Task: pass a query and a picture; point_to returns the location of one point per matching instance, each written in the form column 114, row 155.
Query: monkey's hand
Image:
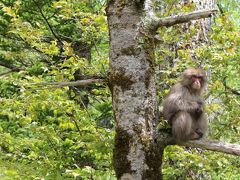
column 199, row 109
column 191, row 107
column 199, row 132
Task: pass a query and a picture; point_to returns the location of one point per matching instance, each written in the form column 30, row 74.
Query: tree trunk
column 132, row 83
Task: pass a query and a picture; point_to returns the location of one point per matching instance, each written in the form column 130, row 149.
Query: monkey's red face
column 194, row 78
column 196, row 82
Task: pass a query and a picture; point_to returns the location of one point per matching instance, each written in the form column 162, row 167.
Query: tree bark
column 133, row 89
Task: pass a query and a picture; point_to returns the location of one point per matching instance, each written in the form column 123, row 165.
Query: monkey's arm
column 180, row 99
column 177, row 102
column 191, row 107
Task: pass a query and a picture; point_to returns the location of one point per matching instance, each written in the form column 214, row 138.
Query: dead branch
column 170, row 21
column 218, row 146
column 156, row 22
column 72, row 83
column 7, row 72
column 164, row 138
column 9, row 65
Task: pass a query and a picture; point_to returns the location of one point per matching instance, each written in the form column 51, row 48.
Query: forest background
column 64, row 131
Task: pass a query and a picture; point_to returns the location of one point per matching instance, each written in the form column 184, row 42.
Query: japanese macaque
column 183, row 106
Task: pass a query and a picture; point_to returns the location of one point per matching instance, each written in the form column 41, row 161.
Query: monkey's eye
column 196, row 78
column 200, row 78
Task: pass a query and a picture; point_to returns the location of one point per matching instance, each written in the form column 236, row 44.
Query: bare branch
column 5, row 73
column 170, row 21
column 218, row 146
column 153, row 22
column 9, row 65
column 73, row 83
column 164, row 138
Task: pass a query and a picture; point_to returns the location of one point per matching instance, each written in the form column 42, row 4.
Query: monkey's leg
column 182, row 128
column 201, row 126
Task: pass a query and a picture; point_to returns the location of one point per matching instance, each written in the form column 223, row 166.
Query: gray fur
column 184, row 109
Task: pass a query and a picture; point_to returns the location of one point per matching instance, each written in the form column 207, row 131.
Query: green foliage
column 184, row 163
column 45, row 131
column 8, row 89
column 51, row 130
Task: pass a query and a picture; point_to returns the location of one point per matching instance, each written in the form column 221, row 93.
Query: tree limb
column 218, row 146
column 5, row 73
column 9, row 65
column 170, row 21
column 153, row 22
column 165, row 138
column 73, row 83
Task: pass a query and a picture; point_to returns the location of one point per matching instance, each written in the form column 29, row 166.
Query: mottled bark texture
column 134, row 94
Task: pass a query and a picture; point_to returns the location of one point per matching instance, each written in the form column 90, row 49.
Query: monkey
column 183, row 107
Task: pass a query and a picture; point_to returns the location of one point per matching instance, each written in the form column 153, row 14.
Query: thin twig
column 72, row 83
column 46, row 20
